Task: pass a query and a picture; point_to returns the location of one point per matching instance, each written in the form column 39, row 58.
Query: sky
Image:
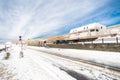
column 39, row 18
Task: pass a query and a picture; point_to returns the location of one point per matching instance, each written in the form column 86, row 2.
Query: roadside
column 5, row 73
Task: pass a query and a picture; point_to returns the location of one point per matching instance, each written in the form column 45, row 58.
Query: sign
column 20, row 38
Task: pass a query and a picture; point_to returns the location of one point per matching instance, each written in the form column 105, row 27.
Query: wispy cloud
column 36, row 18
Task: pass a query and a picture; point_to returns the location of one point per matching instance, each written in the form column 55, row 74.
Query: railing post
column 91, row 41
column 102, row 40
column 5, row 48
column 116, row 40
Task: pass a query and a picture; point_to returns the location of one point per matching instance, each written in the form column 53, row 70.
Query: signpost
column 20, row 39
column 21, row 52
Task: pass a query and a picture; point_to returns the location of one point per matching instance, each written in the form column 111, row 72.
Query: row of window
column 90, row 30
column 87, row 27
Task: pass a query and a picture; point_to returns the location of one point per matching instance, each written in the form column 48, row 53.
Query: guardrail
column 3, row 47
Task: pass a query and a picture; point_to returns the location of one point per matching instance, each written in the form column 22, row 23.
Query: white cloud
column 36, row 18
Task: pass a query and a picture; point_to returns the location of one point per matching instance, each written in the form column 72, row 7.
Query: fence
column 115, row 40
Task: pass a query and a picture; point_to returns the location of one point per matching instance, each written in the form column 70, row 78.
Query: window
column 97, row 30
column 79, row 32
column 92, row 30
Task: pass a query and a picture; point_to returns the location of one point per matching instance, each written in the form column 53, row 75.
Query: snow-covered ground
column 102, row 57
column 2, row 46
column 36, row 65
column 30, row 67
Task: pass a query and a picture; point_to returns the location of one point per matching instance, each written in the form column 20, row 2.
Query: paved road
column 75, row 67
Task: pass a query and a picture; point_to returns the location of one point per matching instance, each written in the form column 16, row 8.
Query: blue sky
column 40, row 18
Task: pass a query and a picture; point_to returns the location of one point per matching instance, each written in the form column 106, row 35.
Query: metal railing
column 115, row 40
